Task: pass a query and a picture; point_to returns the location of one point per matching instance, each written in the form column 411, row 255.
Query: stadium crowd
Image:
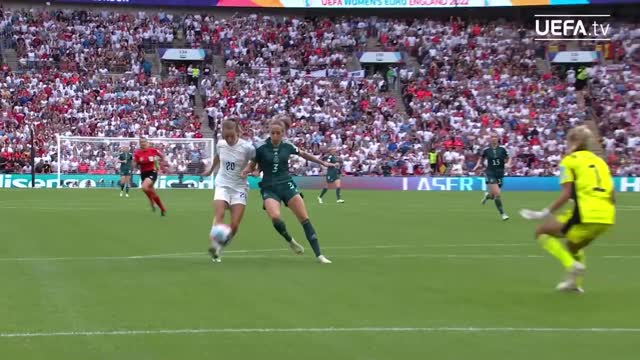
column 471, row 80
column 83, row 40
column 250, row 42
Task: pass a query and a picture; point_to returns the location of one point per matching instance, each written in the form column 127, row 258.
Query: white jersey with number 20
column 233, row 159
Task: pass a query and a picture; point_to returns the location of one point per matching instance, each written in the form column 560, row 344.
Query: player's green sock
column 498, row 201
column 554, row 247
column 324, row 191
column 339, row 193
column 121, row 186
column 582, row 258
column 312, row 237
column 281, row 228
column 126, row 188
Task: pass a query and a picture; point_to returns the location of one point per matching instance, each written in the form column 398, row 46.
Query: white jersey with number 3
column 233, row 159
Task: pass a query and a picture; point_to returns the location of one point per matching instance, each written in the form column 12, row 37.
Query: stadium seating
column 85, row 40
column 470, row 80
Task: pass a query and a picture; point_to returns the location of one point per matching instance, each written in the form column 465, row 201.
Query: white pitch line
column 318, row 330
column 187, row 254
column 273, row 256
column 397, row 246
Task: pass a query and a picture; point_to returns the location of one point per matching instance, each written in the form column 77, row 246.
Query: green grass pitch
column 86, row 274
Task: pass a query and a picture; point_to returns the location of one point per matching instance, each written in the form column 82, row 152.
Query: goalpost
column 89, row 162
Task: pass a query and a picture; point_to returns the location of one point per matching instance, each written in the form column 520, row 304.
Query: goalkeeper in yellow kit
column 586, row 180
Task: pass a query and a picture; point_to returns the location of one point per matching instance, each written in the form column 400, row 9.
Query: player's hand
column 534, row 215
column 246, row 172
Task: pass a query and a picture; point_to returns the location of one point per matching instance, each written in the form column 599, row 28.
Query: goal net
column 92, row 162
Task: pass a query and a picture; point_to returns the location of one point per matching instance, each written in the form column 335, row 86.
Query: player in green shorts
column 497, row 159
column 277, row 185
column 332, row 177
column 126, row 164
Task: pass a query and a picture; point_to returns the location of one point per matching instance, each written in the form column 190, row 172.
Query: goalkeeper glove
column 534, row 215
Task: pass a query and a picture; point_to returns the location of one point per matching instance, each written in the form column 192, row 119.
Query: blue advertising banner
column 623, row 184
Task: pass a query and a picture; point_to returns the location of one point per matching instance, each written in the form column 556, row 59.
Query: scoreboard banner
column 415, row 183
column 181, row 3
column 351, row 4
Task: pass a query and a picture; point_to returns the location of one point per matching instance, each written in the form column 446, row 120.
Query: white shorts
column 230, row 195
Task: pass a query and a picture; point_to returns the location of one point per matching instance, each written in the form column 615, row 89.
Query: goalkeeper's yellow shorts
column 577, row 232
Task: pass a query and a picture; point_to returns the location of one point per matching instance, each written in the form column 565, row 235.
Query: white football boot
column 297, row 248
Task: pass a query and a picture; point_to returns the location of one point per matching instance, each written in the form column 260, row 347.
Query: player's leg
column 238, row 201
column 548, row 235
column 127, row 185
column 237, row 213
column 577, row 250
column 488, row 194
column 338, row 185
column 122, row 182
column 578, row 238
column 296, row 204
column 324, row 190
column 272, row 207
column 143, row 180
column 219, row 208
column 147, row 187
column 496, row 192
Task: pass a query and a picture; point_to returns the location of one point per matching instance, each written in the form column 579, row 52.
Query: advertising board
column 72, row 181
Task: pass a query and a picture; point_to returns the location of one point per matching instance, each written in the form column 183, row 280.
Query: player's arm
column 160, row 155
column 567, row 180
column 134, row 164
column 250, row 168
column 479, row 162
column 565, row 195
column 613, row 192
column 314, row 159
column 214, row 166
column 507, row 160
column 162, row 159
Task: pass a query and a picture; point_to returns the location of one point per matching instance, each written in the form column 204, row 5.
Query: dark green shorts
column 280, row 192
column 331, row 178
column 494, row 179
column 125, row 172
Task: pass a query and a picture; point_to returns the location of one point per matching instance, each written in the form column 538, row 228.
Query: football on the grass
column 220, row 233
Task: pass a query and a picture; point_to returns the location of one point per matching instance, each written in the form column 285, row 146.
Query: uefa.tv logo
column 572, row 28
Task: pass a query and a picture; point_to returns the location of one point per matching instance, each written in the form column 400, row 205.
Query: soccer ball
column 220, row 233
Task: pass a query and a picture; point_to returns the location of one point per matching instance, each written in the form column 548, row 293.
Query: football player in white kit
column 231, row 187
